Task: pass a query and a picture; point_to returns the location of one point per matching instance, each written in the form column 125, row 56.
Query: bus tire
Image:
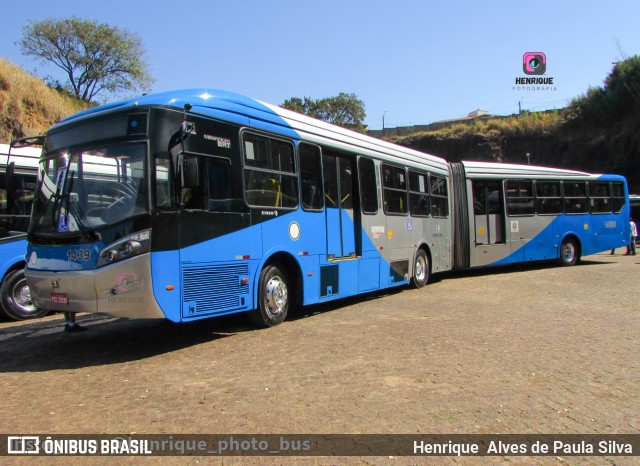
column 15, row 298
column 569, row 252
column 273, row 297
column 420, row 269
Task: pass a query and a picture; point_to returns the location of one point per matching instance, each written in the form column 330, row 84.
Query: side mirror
column 190, row 172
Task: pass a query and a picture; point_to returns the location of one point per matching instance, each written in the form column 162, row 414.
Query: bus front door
column 340, row 223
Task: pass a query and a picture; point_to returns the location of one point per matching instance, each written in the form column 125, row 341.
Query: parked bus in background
column 193, row 204
column 18, row 167
column 634, row 202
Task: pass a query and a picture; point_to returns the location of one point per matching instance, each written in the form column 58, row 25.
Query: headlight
column 129, row 246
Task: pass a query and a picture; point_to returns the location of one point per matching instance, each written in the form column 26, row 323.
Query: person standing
column 70, row 323
column 631, row 249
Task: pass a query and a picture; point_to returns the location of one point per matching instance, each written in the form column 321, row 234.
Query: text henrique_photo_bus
column 198, row 203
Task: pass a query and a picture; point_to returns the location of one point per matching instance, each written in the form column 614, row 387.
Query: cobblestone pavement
column 528, row 349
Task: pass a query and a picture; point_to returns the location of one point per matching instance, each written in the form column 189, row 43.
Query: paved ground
column 536, row 349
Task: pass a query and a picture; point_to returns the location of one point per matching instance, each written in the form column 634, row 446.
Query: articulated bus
column 18, row 168
column 193, row 204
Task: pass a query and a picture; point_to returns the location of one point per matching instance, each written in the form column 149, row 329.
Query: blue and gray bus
column 192, row 204
column 18, row 167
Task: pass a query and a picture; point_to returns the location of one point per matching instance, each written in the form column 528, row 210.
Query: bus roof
column 247, row 111
column 313, row 130
column 493, row 169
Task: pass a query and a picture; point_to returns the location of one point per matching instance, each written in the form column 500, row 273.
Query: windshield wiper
column 57, row 196
column 74, row 210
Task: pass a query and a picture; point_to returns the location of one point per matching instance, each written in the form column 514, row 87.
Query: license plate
column 59, row 298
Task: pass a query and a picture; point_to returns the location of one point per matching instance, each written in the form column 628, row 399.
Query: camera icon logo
column 126, row 281
column 534, row 63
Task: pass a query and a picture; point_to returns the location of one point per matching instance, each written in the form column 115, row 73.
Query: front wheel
column 15, row 297
column 569, row 252
column 273, row 297
column 420, row 269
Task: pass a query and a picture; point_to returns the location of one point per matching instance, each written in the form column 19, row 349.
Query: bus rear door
column 489, row 223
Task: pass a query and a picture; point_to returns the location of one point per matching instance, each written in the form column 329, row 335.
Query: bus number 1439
column 79, row 255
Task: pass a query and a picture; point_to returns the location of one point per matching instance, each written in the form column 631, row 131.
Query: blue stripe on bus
column 600, row 232
column 61, row 258
column 251, row 247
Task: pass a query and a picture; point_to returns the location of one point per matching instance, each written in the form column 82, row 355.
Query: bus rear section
column 524, row 213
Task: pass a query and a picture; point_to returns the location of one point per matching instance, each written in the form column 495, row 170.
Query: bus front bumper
column 123, row 289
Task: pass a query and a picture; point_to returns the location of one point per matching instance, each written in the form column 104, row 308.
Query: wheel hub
column 276, row 295
column 22, row 297
column 420, row 269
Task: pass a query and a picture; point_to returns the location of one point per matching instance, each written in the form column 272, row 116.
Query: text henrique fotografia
column 534, row 66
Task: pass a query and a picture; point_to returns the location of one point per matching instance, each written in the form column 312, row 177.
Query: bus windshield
column 84, row 190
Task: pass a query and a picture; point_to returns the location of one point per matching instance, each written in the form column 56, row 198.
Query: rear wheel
column 273, row 297
column 15, row 298
column 420, row 269
column 569, row 252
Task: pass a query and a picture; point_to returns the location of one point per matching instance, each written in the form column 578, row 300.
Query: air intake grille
column 214, row 289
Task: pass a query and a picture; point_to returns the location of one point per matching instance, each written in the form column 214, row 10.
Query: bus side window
column 213, row 191
column 575, row 197
column 270, row 178
column 439, row 197
column 419, row 194
column 310, row 177
column 394, row 189
column 163, row 181
column 368, row 186
column 193, row 195
column 617, row 193
column 519, row 197
column 599, row 197
column 548, row 197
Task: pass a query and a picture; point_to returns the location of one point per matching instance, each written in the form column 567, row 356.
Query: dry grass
column 518, row 125
column 27, row 105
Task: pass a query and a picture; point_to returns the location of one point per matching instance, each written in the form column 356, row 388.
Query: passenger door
column 489, row 236
column 488, row 210
column 339, row 174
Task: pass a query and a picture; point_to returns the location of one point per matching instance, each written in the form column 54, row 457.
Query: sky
column 411, row 62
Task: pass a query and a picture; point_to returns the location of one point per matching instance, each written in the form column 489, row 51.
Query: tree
column 96, row 58
column 623, row 85
column 344, row 110
column 618, row 98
